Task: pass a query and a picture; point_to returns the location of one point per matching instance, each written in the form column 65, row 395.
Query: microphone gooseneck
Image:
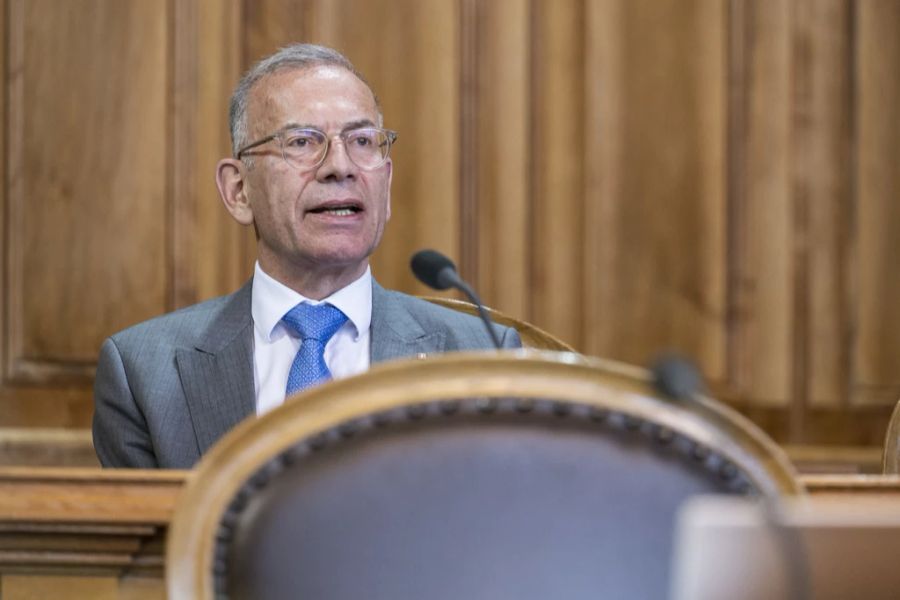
column 438, row 272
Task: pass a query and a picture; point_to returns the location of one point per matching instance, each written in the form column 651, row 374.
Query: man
column 311, row 172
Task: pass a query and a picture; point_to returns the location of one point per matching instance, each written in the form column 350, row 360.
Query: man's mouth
column 338, row 209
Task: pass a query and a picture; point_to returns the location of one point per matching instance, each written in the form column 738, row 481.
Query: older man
column 312, row 173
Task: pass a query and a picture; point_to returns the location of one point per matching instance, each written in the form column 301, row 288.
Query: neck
column 315, row 284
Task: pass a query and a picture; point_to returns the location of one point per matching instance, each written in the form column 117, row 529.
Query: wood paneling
column 501, row 158
column 761, row 212
column 557, row 167
column 43, row 447
column 86, row 181
column 211, row 254
column 655, row 216
column 84, row 533
column 821, row 177
column 876, row 228
column 715, row 177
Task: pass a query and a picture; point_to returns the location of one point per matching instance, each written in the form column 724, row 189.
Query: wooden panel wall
column 718, row 177
column 876, row 194
column 85, row 192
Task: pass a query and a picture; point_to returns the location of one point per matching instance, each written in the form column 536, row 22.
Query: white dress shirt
column 275, row 345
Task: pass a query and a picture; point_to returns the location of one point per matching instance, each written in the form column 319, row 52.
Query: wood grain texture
column 655, row 225
column 86, row 187
column 80, row 587
column 5, row 330
column 876, row 347
column 762, row 230
column 91, row 496
column 47, row 447
column 211, row 254
column 85, row 522
column 500, row 161
column 821, row 179
column 557, row 167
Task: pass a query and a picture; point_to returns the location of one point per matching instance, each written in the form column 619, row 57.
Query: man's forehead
column 281, row 94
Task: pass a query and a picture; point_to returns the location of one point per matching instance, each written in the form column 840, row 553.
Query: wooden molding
column 85, row 521
column 115, row 522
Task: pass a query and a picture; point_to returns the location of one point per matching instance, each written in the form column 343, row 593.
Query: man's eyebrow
column 358, row 124
column 347, row 126
column 294, row 125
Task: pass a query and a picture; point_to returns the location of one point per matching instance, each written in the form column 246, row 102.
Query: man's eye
column 363, row 137
column 303, row 140
column 300, row 142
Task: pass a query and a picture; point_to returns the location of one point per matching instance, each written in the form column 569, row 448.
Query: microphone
column 676, row 377
column 438, row 272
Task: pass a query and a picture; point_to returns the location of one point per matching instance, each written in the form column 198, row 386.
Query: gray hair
column 295, row 56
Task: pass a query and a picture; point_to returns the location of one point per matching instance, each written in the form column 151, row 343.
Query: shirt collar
column 271, row 300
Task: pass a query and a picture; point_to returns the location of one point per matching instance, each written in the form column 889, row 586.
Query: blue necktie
column 315, row 324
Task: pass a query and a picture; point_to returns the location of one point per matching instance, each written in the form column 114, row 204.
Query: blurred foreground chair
column 532, row 336
column 520, row 474
column 891, row 455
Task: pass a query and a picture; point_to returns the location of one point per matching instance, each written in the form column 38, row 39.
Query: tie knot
column 315, row 321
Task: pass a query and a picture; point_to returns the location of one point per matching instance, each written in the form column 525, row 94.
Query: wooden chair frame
column 600, row 384
column 532, row 336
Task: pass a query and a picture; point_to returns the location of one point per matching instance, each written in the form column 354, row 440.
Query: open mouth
column 338, row 210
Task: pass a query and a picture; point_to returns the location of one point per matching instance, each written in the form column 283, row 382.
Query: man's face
column 324, row 220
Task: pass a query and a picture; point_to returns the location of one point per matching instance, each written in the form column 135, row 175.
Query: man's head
column 318, row 202
column 296, row 56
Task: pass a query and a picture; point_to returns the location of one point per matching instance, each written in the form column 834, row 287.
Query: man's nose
column 337, row 164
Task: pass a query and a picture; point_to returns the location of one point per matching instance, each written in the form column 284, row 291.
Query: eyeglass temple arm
column 237, row 154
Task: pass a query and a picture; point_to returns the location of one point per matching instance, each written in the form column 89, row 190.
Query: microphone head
column 676, row 377
column 433, row 269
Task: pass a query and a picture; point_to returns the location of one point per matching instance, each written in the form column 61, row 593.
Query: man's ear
column 232, row 190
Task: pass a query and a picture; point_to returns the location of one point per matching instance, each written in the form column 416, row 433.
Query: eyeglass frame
column 280, row 136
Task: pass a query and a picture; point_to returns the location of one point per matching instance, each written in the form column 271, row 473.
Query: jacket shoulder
column 462, row 330
column 182, row 327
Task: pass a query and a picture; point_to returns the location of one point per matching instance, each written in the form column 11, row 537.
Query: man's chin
column 349, row 260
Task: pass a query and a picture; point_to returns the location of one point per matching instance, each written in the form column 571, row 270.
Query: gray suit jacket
column 168, row 388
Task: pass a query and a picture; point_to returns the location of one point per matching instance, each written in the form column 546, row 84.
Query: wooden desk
column 862, row 489
column 91, row 533
column 84, row 533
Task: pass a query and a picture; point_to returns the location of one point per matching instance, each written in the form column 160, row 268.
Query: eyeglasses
column 306, row 149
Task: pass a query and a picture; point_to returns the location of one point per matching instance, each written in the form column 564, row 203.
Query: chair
column 891, row 457
column 532, row 336
column 516, row 474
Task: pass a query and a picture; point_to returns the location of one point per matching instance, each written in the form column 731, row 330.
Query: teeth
column 341, row 212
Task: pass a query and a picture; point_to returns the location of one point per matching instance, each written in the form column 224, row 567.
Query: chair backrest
column 891, row 456
column 532, row 335
column 517, row 474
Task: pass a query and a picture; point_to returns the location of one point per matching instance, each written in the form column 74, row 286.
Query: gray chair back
column 568, row 490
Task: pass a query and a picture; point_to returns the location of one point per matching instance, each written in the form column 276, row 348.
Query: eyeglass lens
column 367, row 148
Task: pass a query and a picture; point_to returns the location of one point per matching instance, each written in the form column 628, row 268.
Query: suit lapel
column 217, row 374
column 395, row 332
